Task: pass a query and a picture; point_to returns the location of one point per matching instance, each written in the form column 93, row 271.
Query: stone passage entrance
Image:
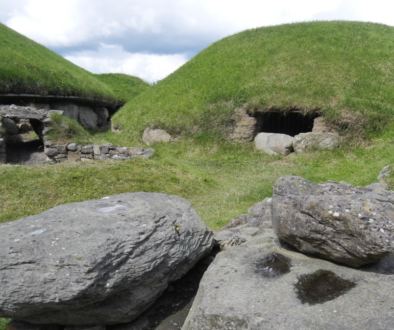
column 290, row 123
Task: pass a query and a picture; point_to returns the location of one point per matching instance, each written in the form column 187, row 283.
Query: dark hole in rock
column 24, row 149
column 274, row 265
column 169, row 312
column 321, row 286
column 290, row 123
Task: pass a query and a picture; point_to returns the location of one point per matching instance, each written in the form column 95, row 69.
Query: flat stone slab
column 19, row 112
column 98, row 262
column 260, row 285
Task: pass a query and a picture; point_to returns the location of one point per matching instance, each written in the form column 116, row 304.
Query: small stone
column 88, row 149
column 72, row 146
column 51, row 152
column 97, row 150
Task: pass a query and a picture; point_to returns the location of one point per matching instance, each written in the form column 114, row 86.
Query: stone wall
column 57, row 153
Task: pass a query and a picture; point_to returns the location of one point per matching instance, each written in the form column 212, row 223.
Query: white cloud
column 113, row 58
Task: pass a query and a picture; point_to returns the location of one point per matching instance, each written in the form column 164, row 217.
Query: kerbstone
column 334, row 221
column 98, row 262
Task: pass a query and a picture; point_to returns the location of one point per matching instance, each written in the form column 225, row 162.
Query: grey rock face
column 255, row 286
column 305, row 142
column 385, row 172
column 102, row 116
column 10, row 126
column 70, row 109
column 87, row 117
column 274, row 144
column 151, row 136
column 334, row 221
column 97, row 262
column 242, row 228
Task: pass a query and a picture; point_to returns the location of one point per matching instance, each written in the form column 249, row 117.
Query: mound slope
column 125, row 87
column 342, row 69
column 27, row 67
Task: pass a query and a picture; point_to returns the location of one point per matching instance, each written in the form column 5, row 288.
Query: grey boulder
column 261, row 285
column 87, row 117
column 151, row 136
column 97, row 262
column 305, row 142
column 334, row 221
column 274, row 144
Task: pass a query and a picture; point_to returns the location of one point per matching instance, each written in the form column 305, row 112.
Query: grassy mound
column 125, row 87
column 343, row 69
column 29, row 68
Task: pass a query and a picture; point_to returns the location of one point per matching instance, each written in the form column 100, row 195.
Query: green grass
column 64, row 129
column 344, row 69
column 27, row 67
column 3, row 323
column 125, row 87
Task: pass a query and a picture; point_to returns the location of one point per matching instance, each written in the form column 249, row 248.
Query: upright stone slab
column 334, row 221
column 97, row 262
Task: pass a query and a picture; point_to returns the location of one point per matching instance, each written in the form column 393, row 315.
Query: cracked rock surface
column 98, row 262
column 334, row 221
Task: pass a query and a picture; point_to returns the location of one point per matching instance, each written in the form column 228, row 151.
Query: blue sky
column 152, row 38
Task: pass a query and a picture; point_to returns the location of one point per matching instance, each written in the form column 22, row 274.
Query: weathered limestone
column 245, row 126
column 260, row 285
column 305, row 142
column 334, row 221
column 98, row 262
column 243, row 227
column 151, row 136
column 274, row 144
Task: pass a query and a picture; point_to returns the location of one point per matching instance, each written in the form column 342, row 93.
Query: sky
column 152, row 38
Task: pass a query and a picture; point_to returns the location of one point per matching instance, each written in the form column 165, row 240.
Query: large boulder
column 151, row 136
column 334, row 221
column 87, row 117
column 97, row 262
column 305, row 142
column 261, row 285
column 274, row 143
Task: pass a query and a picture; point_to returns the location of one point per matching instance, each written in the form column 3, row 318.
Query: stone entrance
column 291, row 123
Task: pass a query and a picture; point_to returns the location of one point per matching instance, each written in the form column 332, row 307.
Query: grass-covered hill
column 125, row 87
column 344, row 69
column 27, row 67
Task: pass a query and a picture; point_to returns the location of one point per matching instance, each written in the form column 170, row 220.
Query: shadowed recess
column 291, row 123
column 321, row 286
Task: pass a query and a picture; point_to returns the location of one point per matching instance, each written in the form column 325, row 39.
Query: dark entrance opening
column 289, row 123
column 24, row 149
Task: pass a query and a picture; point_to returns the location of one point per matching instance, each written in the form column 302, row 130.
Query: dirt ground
column 24, row 149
